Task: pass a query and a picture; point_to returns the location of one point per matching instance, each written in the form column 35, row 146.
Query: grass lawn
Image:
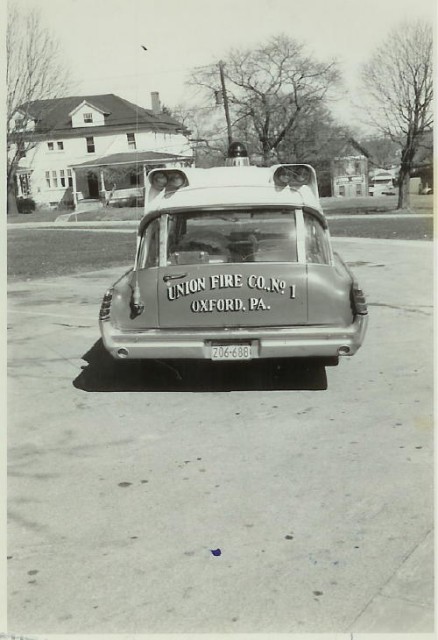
column 409, row 228
column 42, row 253
column 379, row 204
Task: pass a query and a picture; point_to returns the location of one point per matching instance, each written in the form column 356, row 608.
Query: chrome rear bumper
column 276, row 342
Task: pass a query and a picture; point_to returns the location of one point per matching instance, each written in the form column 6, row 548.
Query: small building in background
column 349, row 171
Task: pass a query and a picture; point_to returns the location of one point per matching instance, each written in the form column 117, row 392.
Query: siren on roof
column 237, row 155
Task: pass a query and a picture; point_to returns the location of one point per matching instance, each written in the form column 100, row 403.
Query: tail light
column 358, row 302
column 104, row 313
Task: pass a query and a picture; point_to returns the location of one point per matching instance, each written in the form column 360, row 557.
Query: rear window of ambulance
column 232, row 236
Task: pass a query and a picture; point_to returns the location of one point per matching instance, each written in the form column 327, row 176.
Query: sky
column 101, row 40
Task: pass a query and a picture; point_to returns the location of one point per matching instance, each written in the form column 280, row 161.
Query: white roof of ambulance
column 227, row 186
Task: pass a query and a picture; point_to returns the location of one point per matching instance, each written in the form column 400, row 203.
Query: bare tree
column 207, row 134
column 34, row 73
column 272, row 86
column 382, row 151
column 316, row 140
column 399, row 82
column 316, row 137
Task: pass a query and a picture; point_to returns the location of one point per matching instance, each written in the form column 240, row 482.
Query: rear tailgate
column 232, row 295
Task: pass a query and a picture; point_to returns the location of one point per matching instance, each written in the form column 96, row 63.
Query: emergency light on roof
column 295, row 176
column 237, row 155
column 169, row 179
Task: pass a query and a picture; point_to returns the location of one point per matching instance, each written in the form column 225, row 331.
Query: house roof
column 133, row 157
column 350, row 146
column 55, row 115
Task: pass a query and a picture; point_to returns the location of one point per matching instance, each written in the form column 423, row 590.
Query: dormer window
column 87, row 114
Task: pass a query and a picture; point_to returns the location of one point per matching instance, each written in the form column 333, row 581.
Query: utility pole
column 224, row 93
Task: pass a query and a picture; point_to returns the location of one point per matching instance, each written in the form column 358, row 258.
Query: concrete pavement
column 320, row 501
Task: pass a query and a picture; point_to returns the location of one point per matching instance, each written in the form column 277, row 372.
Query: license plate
column 231, row 351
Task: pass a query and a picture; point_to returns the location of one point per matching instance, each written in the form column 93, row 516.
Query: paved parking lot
column 317, row 504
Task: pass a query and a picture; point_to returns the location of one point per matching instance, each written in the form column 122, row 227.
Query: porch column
column 18, row 185
column 102, row 181
column 75, row 198
column 146, row 188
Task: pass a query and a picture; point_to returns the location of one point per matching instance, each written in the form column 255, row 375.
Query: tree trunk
column 403, row 189
column 266, row 153
column 11, row 205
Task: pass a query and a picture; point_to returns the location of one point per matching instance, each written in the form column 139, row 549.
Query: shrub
column 25, row 205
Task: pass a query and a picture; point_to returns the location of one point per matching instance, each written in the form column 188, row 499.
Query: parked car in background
column 382, row 184
column 234, row 263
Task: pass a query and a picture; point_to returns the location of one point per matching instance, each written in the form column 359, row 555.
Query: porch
column 118, row 179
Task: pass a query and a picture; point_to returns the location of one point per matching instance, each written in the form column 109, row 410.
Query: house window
column 62, row 177
column 342, row 190
column 88, row 118
column 54, row 179
column 50, row 146
column 358, row 189
column 48, row 184
column 131, row 140
column 69, row 178
column 90, row 144
column 60, row 146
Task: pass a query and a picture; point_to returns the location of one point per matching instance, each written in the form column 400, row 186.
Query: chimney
column 155, row 102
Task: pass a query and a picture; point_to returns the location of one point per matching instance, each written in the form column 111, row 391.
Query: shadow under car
column 104, row 373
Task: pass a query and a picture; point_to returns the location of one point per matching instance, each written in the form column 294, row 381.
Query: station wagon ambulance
column 234, row 263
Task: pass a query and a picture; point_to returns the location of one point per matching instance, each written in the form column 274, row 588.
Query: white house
column 82, row 140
